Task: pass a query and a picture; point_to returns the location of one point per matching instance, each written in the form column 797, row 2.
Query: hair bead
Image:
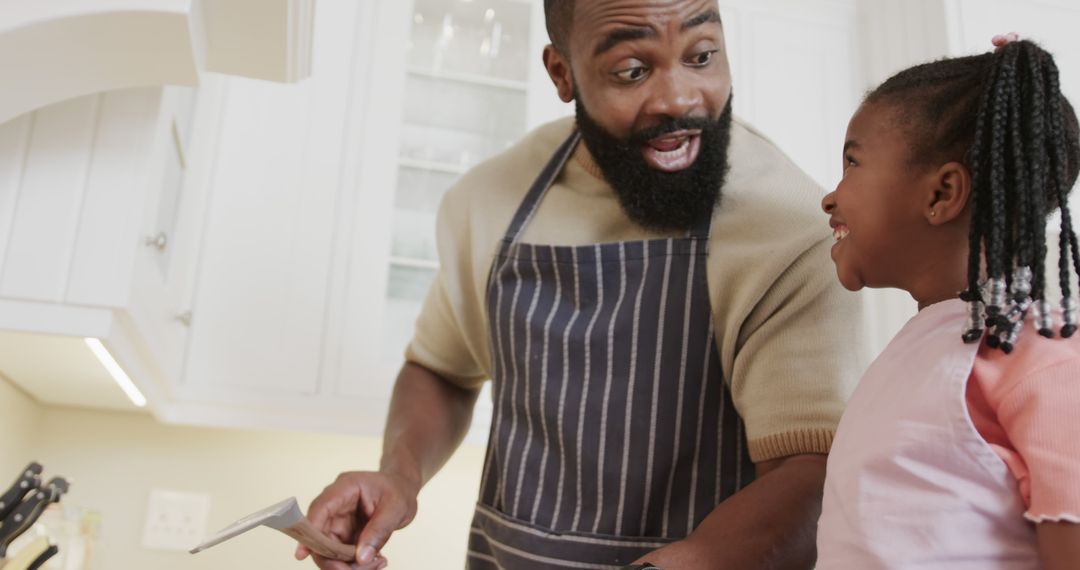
column 1044, row 318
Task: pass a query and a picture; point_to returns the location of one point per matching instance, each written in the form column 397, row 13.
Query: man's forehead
column 589, row 14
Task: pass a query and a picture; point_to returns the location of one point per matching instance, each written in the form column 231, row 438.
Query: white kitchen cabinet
column 281, row 222
column 319, row 235
column 478, row 57
column 93, row 230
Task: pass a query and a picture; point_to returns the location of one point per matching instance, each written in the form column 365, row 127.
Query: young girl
column 961, row 446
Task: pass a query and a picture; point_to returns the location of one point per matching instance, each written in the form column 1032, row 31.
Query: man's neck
column 585, row 160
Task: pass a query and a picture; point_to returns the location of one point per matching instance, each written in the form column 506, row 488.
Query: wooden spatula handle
column 305, row 533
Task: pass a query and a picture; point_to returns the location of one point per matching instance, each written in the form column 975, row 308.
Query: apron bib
column 910, row 483
column 614, row 433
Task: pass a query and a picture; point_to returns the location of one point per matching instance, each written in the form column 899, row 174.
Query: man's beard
column 657, row 200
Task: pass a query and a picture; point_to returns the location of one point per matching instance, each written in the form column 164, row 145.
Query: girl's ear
column 950, row 193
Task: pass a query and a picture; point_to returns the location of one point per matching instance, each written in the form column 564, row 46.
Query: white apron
column 911, row 483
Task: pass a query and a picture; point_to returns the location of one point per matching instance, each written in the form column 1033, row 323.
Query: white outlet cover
column 175, row 520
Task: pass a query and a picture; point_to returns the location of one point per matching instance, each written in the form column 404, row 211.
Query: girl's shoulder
column 998, row 374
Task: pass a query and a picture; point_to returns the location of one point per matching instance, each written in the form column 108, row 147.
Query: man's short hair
column 559, row 17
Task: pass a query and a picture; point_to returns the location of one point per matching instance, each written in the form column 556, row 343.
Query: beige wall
column 19, row 418
column 115, row 459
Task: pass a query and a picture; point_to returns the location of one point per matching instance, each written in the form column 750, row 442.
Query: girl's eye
column 849, row 161
column 702, row 59
column 631, row 74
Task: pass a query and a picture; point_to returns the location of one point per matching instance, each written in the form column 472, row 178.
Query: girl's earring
column 933, row 213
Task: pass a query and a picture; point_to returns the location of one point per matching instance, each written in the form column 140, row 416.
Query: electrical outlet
column 175, row 520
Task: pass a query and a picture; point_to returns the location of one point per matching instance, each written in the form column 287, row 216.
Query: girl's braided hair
column 1003, row 115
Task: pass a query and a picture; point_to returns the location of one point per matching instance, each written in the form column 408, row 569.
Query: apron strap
column 540, row 186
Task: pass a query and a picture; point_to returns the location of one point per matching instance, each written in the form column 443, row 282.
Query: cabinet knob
column 158, row 242
column 184, row 318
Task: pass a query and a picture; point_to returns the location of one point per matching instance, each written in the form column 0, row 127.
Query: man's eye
column 702, row 59
column 631, row 74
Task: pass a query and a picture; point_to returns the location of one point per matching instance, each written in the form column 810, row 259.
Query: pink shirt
column 1026, row 406
column 913, row 483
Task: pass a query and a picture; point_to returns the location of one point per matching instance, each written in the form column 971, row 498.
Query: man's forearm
column 428, row 419
column 769, row 525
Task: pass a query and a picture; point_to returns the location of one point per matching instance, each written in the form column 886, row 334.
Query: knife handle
column 38, row 562
column 22, row 518
column 59, row 487
column 305, row 533
column 24, row 559
column 27, row 513
column 29, row 480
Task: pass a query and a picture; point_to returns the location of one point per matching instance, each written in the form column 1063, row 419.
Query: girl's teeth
column 839, row 233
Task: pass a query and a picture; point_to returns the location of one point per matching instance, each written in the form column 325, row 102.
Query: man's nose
column 674, row 96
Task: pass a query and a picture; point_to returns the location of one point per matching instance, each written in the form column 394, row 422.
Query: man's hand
column 428, row 419
column 677, row 555
column 769, row 525
column 364, row 509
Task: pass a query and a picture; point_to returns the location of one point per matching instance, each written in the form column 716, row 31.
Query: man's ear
column 558, row 68
column 949, row 194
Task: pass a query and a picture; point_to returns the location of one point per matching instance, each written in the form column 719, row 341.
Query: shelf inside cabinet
column 470, row 79
column 414, row 263
column 432, row 165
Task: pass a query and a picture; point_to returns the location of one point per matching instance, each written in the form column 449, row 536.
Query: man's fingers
column 384, row 521
column 361, row 509
column 328, row 564
column 302, row 552
column 377, row 563
column 343, row 529
column 317, row 512
column 326, row 505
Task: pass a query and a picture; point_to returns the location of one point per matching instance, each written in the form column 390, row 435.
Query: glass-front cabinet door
column 465, row 99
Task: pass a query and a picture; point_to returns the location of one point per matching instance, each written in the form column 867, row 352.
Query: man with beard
column 648, row 287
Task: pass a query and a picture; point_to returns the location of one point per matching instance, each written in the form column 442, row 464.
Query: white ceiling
column 59, row 371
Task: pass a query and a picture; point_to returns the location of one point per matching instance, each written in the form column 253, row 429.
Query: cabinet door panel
column 13, row 143
column 155, row 309
column 261, row 301
column 357, row 324
column 46, row 218
column 113, row 205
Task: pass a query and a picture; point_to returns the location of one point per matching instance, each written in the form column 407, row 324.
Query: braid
column 979, row 209
column 1061, row 185
column 1035, row 103
column 1020, row 178
column 996, row 251
column 1003, row 115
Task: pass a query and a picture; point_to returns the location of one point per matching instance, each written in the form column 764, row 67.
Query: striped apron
column 614, row 432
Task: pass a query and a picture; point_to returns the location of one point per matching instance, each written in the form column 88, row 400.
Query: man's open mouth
column 674, row 151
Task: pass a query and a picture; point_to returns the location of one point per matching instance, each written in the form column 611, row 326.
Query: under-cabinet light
column 116, row 372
